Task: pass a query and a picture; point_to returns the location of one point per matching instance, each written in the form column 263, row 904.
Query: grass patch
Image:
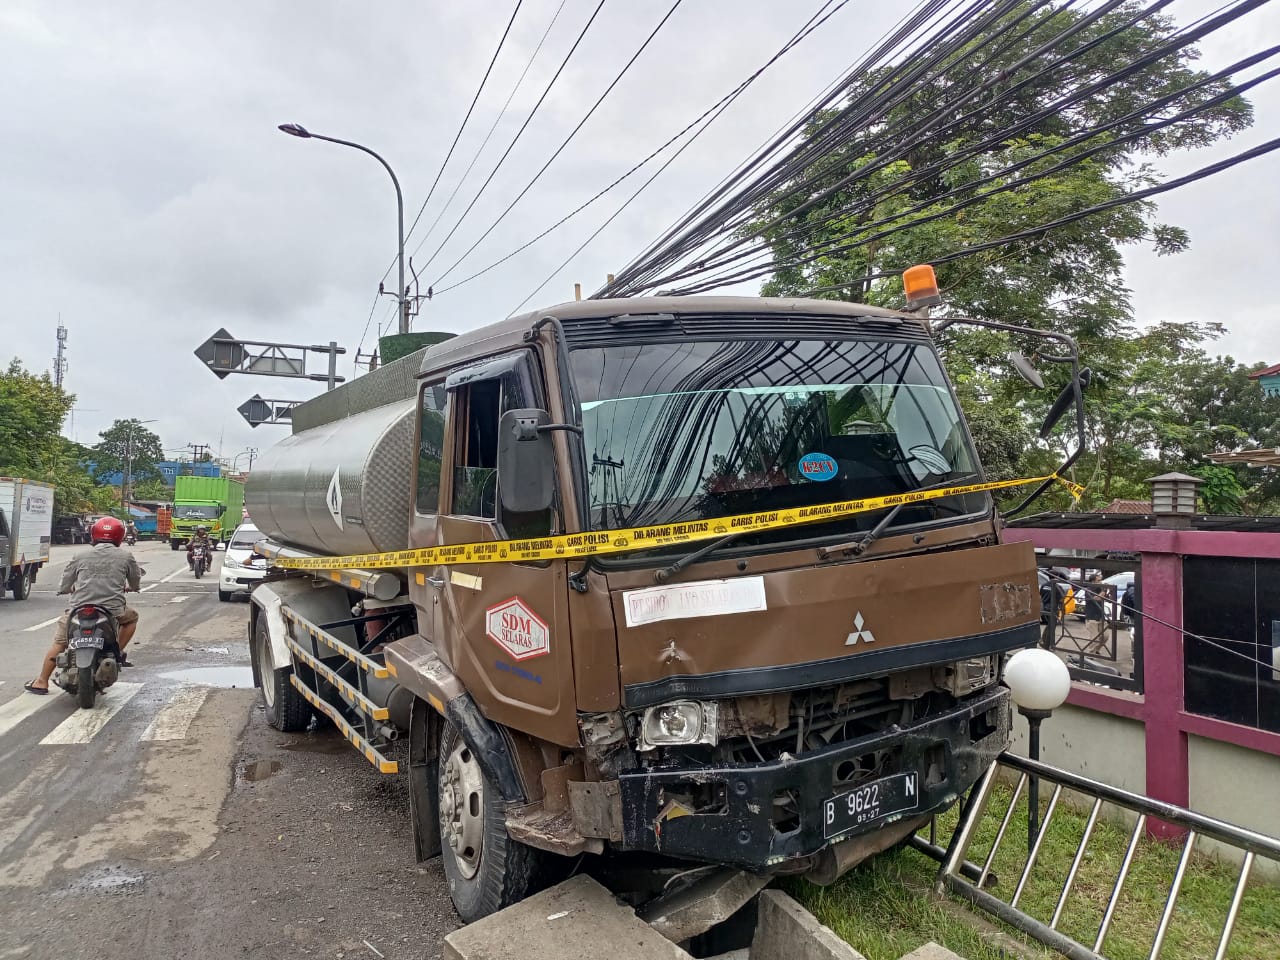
column 879, row 910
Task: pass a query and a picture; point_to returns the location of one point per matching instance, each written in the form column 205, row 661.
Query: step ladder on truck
column 713, row 579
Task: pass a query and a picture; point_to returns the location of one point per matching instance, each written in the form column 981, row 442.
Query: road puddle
column 256, row 770
column 213, row 676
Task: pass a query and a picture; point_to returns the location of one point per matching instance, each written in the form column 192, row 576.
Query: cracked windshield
column 695, row 430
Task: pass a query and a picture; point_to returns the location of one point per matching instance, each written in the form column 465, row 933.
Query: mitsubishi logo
column 859, row 632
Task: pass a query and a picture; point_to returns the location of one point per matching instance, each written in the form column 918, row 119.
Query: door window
column 480, row 397
column 430, row 448
column 475, row 469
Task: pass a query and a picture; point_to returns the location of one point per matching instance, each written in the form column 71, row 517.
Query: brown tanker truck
column 763, row 695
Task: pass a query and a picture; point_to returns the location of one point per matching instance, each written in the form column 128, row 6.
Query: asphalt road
column 170, row 821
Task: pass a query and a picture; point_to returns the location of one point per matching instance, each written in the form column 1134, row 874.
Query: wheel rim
column 266, row 672
column 462, row 808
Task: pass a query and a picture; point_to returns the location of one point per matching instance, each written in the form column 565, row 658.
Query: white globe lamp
column 1038, row 680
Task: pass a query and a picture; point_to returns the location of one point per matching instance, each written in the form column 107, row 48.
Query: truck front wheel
column 286, row 709
column 486, row 869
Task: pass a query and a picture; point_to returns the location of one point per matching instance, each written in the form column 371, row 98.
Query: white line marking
column 172, row 721
column 152, row 587
column 174, row 574
column 83, row 725
column 179, row 599
column 40, row 626
column 23, row 706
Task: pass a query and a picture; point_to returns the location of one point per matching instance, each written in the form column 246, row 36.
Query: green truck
column 216, row 503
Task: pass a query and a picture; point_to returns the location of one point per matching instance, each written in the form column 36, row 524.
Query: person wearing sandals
column 101, row 575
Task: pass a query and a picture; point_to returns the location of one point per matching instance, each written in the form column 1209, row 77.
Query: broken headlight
column 679, row 722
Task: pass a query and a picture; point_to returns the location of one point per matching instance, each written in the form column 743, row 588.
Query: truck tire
column 22, row 583
column 485, row 868
column 286, row 709
column 173, row 545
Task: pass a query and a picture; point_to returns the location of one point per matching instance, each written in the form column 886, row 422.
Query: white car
column 241, row 567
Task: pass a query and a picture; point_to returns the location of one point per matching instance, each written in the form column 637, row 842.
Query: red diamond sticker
column 514, row 627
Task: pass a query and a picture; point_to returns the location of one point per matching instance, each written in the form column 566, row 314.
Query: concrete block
column 699, row 907
column 932, row 951
column 787, row 931
column 575, row 920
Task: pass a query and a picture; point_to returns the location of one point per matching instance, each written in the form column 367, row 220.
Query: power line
column 572, row 133
column 474, row 100
column 723, row 101
column 709, row 116
column 797, row 167
column 494, row 126
column 516, row 139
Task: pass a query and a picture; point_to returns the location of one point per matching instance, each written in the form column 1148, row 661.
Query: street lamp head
column 295, row 130
column 1037, row 679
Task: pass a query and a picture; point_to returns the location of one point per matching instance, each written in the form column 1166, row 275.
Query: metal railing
column 972, row 881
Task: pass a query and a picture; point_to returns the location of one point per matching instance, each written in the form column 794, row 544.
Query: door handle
column 436, row 581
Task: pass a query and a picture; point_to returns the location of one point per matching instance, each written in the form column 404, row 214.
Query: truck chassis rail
column 308, row 644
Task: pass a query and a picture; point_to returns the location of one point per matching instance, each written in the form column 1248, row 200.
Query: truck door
column 505, row 625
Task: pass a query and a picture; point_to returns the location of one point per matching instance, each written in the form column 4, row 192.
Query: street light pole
column 297, row 130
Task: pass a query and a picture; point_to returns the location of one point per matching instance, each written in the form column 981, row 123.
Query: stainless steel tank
column 341, row 487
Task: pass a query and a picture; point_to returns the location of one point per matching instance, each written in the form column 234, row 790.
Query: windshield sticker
column 706, row 598
column 818, row 466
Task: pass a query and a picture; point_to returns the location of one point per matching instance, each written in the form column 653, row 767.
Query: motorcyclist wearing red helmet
column 100, row 575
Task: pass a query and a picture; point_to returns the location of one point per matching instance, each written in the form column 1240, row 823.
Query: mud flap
column 424, row 764
column 489, row 746
column 84, row 657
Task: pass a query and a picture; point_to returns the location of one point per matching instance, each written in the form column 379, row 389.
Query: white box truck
column 26, row 529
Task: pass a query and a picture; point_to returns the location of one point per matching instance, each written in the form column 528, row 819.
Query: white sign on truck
column 26, row 530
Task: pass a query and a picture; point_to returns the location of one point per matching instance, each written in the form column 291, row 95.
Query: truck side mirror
column 526, row 468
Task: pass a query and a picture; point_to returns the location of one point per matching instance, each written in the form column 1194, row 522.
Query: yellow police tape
column 570, row 545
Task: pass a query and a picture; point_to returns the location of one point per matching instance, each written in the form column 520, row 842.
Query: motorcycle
column 90, row 663
column 130, row 539
column 199, row 561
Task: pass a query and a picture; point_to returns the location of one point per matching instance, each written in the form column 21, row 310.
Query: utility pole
column 60, row 359
column 198, row 451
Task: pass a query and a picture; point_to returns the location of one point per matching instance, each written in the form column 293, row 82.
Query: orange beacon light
column 921, row 286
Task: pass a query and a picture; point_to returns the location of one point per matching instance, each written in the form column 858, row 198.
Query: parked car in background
column 241, row 567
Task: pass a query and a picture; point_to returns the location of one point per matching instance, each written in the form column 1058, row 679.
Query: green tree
column 1151, row 388
column 32, row 410
column 128, row 446
column 153, row 490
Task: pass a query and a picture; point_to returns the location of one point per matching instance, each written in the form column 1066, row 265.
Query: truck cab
column 802, row 674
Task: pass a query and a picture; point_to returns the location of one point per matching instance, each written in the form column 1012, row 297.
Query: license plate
column 870, row 802
column 85, row 643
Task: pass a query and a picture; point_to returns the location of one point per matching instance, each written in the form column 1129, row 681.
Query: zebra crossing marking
column 83, row 725
column 21, row 707
column 174, row 718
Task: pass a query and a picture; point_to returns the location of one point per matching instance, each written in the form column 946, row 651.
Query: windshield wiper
column 666, row 573
column 860, row 546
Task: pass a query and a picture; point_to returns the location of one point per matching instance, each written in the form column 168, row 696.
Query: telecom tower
column 60, row 360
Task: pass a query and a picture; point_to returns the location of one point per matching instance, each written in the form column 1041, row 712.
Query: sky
column 147, row 198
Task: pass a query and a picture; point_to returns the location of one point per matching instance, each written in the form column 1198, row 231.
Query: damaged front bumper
column 761, row 816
